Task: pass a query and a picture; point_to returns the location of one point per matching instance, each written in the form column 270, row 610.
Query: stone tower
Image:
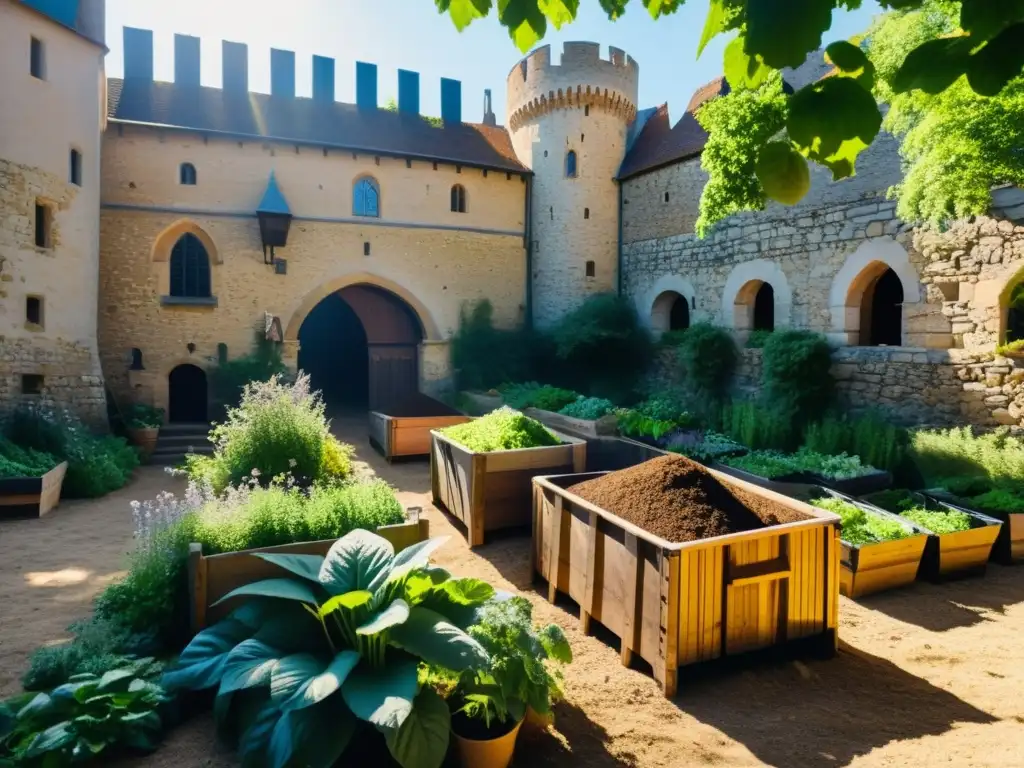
column 568, row 123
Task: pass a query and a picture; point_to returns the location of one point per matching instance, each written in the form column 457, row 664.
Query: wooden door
column 393, row 374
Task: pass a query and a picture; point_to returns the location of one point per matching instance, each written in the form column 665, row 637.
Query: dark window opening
column 187, row 397
column 366, row 248
column 458, row 199
column 75, row 170
column 586, row 111
column 136, row 360
column 586, row 213
column 764, row 308
column 882, row 311
column 693, row 302
column 591, row 269
column 222, row 353
column 666, row 197
column 582, row 136
column 42, row 225
column 1015, row 314
column 188, row 174
column 570, row 164
column 36, row 63
column 32, row 384
column 545, row 153
column 679, row 315
column 190, row 268
column 34, row 310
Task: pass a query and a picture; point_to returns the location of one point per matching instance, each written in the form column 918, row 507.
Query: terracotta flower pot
column 144, row 438
column 486, row 753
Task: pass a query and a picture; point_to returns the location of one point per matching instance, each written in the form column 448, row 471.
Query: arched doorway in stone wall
column 187, row 395
column 360, row 347
column 881, row 311
column 754, row 307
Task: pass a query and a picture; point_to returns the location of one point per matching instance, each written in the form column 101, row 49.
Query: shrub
column 501, row 430
column 941, row 454
column 484, row 356
column 16, row 461
column 142, row 416
column 1003, row 500
column 768, row 464
column 707, row 359
column 229, row 378
column 534, row 395
column 838, row 467
column 636, row 424
column 758, row 426
column 757, row 339
column 673, row 338
column 795, row 374
column 589, row 408
column 667, row 405
column 702, row 446
column 876, row 441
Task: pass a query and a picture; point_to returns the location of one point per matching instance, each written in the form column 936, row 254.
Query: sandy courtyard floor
column 931, row 675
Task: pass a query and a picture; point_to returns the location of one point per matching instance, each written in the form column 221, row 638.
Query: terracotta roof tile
column 303, row 120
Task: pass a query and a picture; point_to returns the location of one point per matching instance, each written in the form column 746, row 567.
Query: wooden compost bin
column 490, row 491
column 1009, row 545
column 210, row 577
column 608, row 454
column 677, row 604
column 606, row 425
column 32, row 496
column 405, row 430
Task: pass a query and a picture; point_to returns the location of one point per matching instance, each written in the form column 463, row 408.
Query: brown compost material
column 679, row 500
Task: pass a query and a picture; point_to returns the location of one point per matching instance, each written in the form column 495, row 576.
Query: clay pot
column 486, row 753
column 144, row 438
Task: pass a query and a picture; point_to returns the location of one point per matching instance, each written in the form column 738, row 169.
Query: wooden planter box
column 609, row 454
column 210, row 577
column 676, row 604
column 794, row 485
column 490, row 491
column 31, row 496
column 1009, row 545
column 406, row 431
column 606, row 425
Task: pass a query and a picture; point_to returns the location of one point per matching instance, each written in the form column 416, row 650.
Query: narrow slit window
column 34, row 310
column 136, row 359
column 590, row 269
column 75, row 167
column 366, row 248
column 586, row 111
column 666, row 197
column 36, row 59
column 586, row 213
column 42, row 225
column 571, row 169
column 188, row 174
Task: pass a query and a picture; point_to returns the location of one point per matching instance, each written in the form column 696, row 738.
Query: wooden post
column 579, row 457
column 478, row 503
column 671, row 648
column 555, row 550
column 594, row 567
column 634, row 603
column 197, row 586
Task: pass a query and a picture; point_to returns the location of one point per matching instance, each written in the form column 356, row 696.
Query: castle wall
column 41, row 121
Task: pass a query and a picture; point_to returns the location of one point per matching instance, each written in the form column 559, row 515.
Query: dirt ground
column 930, row 675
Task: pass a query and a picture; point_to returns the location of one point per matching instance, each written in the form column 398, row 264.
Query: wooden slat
column 671, row 638
column 595, row 567
column 555, row 548
column 634, row 600
column 197, row 586
column 477, row 523
column 753, row 573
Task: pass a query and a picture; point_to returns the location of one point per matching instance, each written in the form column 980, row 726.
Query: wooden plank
column 753, row 573
column 197, row 586
column 579, row 457
column 782, row 594
column 670, row 682
column 633, row 602
column 595, row 566
column 555, row 548
column 477, row 522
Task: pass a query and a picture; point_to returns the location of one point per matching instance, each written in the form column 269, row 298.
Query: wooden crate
column 31, row 496
column 410, row 435
column 1009, row 545
column 491, row 491
column 210, row 577
column 677, row 604
column 567, row 425
column 608, row 454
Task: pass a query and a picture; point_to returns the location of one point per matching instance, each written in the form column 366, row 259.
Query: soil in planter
column 475, row 728
column 417, row 405
column 679, row 500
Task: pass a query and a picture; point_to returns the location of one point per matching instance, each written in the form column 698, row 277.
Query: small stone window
column 136, row 364
column 32, row 384
column 187, row 174
column 582, row 136
column 586, row 213
column 75, row 167
column 366, row 248
column 222, row 353
column 571, row 169
column 586, row 111
column 44, row 222
column 37, row 59
column 764, row 308
column 591, row 270
column 34, row 310
column 458, row 199
column 666, row 197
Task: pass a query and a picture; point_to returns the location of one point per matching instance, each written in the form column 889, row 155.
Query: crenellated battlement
column 580, row 78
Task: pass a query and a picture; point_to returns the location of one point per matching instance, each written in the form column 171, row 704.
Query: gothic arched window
column 190, row 268
column 366, row 198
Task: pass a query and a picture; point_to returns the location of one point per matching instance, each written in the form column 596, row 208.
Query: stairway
column 176, row 440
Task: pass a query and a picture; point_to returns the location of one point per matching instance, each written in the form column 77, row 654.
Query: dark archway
column 882, row 311
column 187, row 395
column 679, row 315
column 360, row 347
column 764, row 308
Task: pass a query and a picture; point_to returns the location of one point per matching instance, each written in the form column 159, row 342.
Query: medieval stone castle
column 148, row 228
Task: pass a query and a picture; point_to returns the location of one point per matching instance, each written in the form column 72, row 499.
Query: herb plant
column 938, row 520
column 636, row 424
column 534, row 395
column 841, row 467
column 16, row 461
column 503, row 429
column 142, row 416
column 861, row 526
column 343, row 642
column 589, row 408
column 768, row 464
column 999, row 500
column 702, row 446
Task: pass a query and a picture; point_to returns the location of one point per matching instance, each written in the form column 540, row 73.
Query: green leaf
column 306, row 566
column 382, row 696
column 40, row 704
column 717, row 21
column 743, row 72
column 409, row 559
column 430, row 636
column 249, row 664
column 313, row 737
column 201, row 664
column 659, row 8
column 933, row 66
column 354, row 561
column 468, row 591
column 422, row 740
column 524, row 21
column 7, row 720
column 556, row 645
column 463, row 12
column 559, row 12
column 313, row 690
column 148, row 719
column 1001, row 60
column 285, row 589
column 53, row 738
column 255, row 740
column 292, row 674
column 851, row 61
column 349, row 601
column 984, row 19
column 783, row 32
column 393, row 615
column 115, row 681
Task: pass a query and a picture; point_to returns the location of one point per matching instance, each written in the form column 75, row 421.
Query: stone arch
column 739, row 299
column 166, row 240
column 655, row 306
column 856, row 281
column 162, row 382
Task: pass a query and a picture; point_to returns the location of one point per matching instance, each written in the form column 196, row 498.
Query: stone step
column 183, row 440
column 198, row 428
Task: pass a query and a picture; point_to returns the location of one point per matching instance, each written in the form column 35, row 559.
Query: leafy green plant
column 80, row 720
column 999, row 501
column 1011, row 349
column 142, row 416
column 757, row 339
column 758, row 426
column 666, row 405
column 344, row 642
column 938, row 520
column 636, row 424
column 703, row 446
column 589, row 408
column 230, row 377
column 503, row 429
column 795, row 375
column 768, row 464
column 530, row 394
column 672, row 338
column 940, row 454
column 841, row 467
column 861, row 526
column 16, row 461
column 707, row 359
column 484, row 356
column 894, row 499
column 874, row 439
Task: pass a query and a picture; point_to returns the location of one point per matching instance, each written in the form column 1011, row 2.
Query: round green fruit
column 783, row 172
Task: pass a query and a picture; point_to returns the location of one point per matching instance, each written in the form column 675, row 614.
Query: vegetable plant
column 534, row 395
column 590, row 408
column 938, row 520
column 769, row 464
column 16, row 461
column 343, row 642
column 81, row 719
column 861, row 526
column 841, row 467
column 501, row 430
column 636, row 424
column 702, row 446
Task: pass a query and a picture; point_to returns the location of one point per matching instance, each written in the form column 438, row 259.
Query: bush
column 142, row 416
column 707, row 359
column 484, row 356
column 229, row 378
column 876, row 441
column 673, row 338
column 795, row 374
column 501, row 430
column 666, row 405
column 758, row 426
column 534, row 395
column 589, row 408
column 757, row 339
column 941, row 454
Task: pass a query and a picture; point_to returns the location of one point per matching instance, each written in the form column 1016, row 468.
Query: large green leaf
column 555, row 643
column 355, row 561
column 313, row 737
column 306, row 566
column 394, row 614
column 743, row 71
column 716, row 22
column 559, row 12
column 463, row 12
column 984, row 19
column 312, row 690
column 255, row 740
column 115, row 681
column 40, row 704
column 409, row 559
column 422, row 740
column 933, row 66
column 851, row 61
column 201, row 664
column 382, row 696
column 524, row 21
column 285, row 589
column 249, row 664
column 430, row 636
column 783, row 32
column 293, row 673
column 467, row 591
column 1001, row 60
column 53, row 738
column 349, row 601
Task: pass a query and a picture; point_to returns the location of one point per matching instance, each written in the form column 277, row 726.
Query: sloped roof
column 273, row 201
column 305, row 121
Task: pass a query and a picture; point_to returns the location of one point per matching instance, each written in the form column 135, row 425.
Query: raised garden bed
column 793, row 484
column 675, row 604
column 1009, row 546
column 404, row 429
column 210, row 577
column 876, row 480
column 22, row 497
column 491, row 490
column 567, row 425
column 607, row 454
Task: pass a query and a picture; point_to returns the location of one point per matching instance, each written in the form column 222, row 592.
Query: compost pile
column 679, row 500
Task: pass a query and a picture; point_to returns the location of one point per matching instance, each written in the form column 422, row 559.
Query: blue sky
column 410, row 34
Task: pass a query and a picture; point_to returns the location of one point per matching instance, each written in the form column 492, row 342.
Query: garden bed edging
column 22, row 497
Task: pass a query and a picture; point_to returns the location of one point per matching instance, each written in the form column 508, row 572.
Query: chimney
column 138, row 54
column 323, row 79
column 451, row 100
column 282, row 73
column 186, row 60
column 489, row 118
column 235, row 68
column 408, row 92
column 366, row 85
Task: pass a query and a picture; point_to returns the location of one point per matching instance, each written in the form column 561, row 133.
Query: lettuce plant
column 341, row 643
